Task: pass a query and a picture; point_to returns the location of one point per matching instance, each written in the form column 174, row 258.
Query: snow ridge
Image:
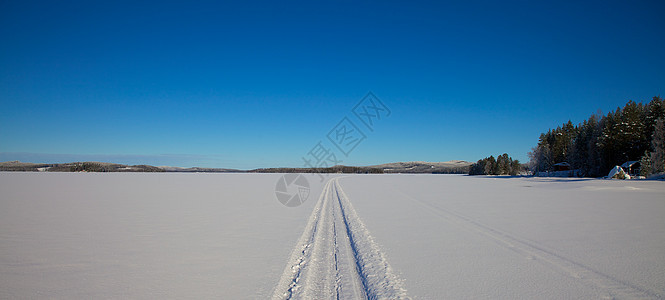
column 336, row 257
column 375, row 272
column 288, row 283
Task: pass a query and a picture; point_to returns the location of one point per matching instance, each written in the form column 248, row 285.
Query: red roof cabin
column 562, row 166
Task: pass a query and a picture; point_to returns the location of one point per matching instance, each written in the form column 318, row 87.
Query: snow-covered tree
column 658, row 146
column 602, row 142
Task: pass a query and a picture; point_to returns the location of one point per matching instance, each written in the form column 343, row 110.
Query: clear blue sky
column 258, row 84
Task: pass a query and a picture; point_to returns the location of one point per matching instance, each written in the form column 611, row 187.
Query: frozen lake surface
column 175, row 235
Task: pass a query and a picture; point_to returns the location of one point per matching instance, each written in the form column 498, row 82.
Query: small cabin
column 632, row 167
column 562, row 166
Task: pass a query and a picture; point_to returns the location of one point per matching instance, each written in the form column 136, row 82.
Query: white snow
column 468, row 237
column 144, row 235
column 211, row 236
column 618, row 172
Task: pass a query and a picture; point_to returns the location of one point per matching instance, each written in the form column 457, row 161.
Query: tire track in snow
column 336, row 257
column 614, row 287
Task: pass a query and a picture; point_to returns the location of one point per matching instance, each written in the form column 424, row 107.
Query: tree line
column 634, row 132
column 76, row 167
column 501, row 165
column 334, row 169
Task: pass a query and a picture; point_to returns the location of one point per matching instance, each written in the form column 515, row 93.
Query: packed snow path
column 336, row 258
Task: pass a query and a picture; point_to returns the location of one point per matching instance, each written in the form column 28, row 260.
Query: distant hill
column 88, row 166
column 334, row 169
column 199, row 169
column 449, row 167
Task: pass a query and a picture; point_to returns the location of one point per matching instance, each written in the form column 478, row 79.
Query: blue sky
column 258, row 84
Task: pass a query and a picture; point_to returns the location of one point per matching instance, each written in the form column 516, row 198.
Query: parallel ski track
column 336, row 257
column 612, row 287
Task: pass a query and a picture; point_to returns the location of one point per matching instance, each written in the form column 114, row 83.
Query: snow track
column 336, row 258
column 610, row 287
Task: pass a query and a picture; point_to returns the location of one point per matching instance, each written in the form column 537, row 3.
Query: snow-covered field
column 461, row 237
column 146, row 235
